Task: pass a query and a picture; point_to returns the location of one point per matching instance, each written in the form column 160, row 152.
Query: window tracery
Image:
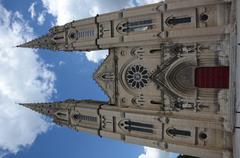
column 137, row 76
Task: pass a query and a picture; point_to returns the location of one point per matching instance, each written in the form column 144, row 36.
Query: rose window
column 137, row 76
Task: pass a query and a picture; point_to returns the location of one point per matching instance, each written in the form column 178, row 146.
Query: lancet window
column 136, row 26
column 172, row 21
column 173, row 132
column 137, row 126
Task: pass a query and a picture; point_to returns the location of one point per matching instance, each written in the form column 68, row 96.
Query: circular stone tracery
column 137, row 76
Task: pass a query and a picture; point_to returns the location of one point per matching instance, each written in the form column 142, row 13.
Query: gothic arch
column 174, row 132
column 180, row 77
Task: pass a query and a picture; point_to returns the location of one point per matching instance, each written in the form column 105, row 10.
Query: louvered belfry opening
column 212, row 77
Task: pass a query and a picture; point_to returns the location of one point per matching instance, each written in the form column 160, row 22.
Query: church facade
column 167, row 76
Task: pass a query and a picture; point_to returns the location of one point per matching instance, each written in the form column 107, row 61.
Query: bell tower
column 80, row 115
column 168, row 76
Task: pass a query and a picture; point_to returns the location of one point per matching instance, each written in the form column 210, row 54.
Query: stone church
column 168, row 76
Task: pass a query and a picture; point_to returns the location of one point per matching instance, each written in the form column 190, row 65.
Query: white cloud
column 24, row 78
column 68, row 10
column 96, row 56
column 154, row 153
column 31, row 10
column 142, row 2
column 150, row 153
column 41, row 18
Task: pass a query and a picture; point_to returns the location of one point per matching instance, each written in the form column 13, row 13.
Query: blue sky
column 42, row 75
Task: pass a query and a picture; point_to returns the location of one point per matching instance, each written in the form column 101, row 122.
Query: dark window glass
column 176, row 21
column 61, row 114
column 130, row 128
column 138, row 126
column 176, row 132
column 57, row 38
column 203, row 135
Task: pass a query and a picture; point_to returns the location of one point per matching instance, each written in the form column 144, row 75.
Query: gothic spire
column 51, row 109
column 48, row 109
column 63, row 112
column 44, row 42
column 54, row 40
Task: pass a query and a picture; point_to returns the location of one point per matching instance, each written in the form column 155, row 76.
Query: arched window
column 136, row 26
column 172, row 21
column 173, row 132
column 61, row 115
column 136, row 126
column 108, row 76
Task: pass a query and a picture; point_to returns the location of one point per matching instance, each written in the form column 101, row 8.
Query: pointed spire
column 61, row 111
column 48, row 109
column 54, row 40
column 44, row 42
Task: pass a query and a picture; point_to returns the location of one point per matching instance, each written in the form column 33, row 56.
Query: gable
column 105, row 76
